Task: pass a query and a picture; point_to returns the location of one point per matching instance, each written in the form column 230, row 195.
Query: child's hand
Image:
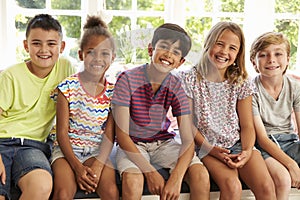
column 85, row 179
column 2, row 171
column 97, row 170
column 238, row 160
column 155, row 182
column 295, row 175
column 219, row 153
column 171, row 189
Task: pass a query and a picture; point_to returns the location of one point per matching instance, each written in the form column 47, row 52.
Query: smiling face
column 166, row 55
column 272, row 60
column 97, row 55
column 225, row 50
column 44, row 47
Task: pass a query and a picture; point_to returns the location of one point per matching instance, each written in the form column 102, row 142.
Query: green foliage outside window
column 197, row 27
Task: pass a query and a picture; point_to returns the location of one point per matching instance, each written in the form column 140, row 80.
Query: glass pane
column 233, row 6
column 21, row 24
column 71, row 24
column 119, row 26
column 290, row 29
column 149, row 22
column 72, row 32
column 291, row 6
column 199, row 6
column 66, row 4
column 40, row 4
column 197, row 28
column 118, row 4
column 157, row 5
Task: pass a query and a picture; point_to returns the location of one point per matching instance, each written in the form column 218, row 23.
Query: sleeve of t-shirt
column 187, row 80
column 6, row 89
column 122, row 94
column 180, row 104
column 248, row 88
column 296, row 105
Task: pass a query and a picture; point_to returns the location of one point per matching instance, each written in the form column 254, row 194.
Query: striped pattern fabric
column 148, row 110
column 88, row 114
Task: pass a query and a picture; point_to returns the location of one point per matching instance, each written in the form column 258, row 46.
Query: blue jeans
column 288, row 143
column 21, row 156
column 235, row 149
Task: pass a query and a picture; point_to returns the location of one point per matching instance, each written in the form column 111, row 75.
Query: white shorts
column 161, row 154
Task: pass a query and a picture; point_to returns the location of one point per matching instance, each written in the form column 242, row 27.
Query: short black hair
column 45, row 22
column 173, row 32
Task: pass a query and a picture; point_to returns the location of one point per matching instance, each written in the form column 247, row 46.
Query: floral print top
column 215, row 113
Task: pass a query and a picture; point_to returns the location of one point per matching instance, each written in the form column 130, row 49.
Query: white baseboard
column 246, row 195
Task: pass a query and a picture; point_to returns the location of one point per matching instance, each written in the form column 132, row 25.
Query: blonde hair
column 235, row 73
column 265, row 40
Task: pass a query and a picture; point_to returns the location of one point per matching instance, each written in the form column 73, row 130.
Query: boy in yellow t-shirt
column 27, row 112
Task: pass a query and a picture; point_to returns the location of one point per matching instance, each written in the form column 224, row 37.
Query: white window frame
column 257, row 19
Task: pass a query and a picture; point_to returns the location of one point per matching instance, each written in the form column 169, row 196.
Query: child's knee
column 132, row 180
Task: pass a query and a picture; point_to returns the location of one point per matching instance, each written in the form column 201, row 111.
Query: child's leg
column 65, row 185
column 198, row 179
column 132, row 177
column 32, row 173
column 255, row 174
column 225, row 177
column 132, row 184
column 281, row 178
column 107, row 187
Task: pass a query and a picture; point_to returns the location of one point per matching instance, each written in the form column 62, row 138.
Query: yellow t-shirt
column 28, row 110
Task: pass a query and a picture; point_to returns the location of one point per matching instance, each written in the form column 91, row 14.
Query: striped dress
column 88, row 114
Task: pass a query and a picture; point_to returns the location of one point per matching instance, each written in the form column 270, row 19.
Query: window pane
column 233, row 6
column 199, row 6
column 71, row 25
column 149, row 22
column 21, row 24
column 40, row 4
column 66, row 4
column 118, row 4
column 291, row 6
column 291, row 30
column 197, row 28
column 157, row 5
column 118, row 27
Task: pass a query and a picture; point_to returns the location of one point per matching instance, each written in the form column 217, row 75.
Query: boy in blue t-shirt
column 142, row 97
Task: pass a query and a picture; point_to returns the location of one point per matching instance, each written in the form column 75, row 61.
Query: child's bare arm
column 173, row 185
column 2, row 171
column 62, row 118
column 108, row 140
column 154, row 180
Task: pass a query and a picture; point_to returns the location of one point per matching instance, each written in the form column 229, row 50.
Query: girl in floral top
column 220, row 94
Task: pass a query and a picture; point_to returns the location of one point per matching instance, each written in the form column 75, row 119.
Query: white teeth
column 98, row 66
column 221, row 59
column 44, row 57
column 271, row 68
column 165, row 62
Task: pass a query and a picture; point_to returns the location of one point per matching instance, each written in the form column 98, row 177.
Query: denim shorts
column 288, row 143
column 82, row 153
column 21, row 156
column 235, row 149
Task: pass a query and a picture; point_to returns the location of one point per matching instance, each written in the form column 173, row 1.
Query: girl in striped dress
column 85, row 128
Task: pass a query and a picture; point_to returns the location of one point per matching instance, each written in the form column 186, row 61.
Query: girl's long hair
column 236, row 73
